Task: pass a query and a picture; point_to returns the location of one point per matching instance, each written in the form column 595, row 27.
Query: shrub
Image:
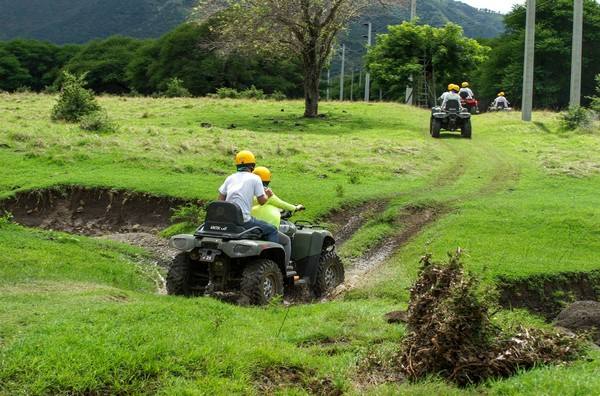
column 74, row 100
column 278, row 95
column 175, row 89
column 596, row 98
column 190, row 213
column 576, row 117
column 253, row 93
column 227, row 93
column 98, row 122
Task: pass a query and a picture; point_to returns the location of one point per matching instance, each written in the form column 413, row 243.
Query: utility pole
column 368, row 75
column 342, row 77
column 352, row 85
column 527, row 104
column 413, row 18
column 576, row 53
column 328, row 82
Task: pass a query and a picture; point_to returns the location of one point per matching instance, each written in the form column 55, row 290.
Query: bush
column 175, row 89
column 227, row 93
column 74, row 100
column 253, row 93
column 98, row 122
column 576, row 117
column 278, row 95
column 596, row 99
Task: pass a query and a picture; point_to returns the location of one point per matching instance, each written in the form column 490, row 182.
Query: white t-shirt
column 468, row 91
column 450, row 96
column 501, row 99
column 241, row 188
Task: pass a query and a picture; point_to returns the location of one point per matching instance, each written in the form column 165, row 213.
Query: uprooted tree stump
column 450, row 333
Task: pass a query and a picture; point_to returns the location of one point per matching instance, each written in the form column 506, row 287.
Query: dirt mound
column 581, row 316
column 91, row 211
column 450, row 333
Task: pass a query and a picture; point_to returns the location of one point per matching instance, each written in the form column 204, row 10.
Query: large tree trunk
column 311, row 92
column 312, row 79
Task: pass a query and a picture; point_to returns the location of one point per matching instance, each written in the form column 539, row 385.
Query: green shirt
column 270, row 212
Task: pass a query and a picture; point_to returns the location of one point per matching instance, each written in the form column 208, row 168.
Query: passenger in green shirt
column 270, row 212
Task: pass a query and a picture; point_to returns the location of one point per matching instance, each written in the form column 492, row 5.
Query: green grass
column 79, row 315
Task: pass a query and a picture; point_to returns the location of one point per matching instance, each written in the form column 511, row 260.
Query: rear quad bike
column 501, row 107
column 223, row 257
column 452, row 118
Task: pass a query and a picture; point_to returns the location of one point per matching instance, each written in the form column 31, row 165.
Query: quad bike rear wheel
column 436, row 127
column 466, row 130
column 330, row 273
column 185, row 277
column 262, row 281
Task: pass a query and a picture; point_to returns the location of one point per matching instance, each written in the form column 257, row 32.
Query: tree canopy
column 554, row 26
column 443, row 55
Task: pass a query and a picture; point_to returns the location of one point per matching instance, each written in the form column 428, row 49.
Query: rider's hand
column 268, row 192
column 300, row 208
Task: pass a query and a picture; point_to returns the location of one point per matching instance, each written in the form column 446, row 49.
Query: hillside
column 69, row 21
column 81, row 315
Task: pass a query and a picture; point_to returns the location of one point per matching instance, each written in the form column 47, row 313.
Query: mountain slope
column 78, row 21
column 69, row 21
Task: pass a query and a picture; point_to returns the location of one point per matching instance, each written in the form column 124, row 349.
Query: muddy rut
column 410, row 223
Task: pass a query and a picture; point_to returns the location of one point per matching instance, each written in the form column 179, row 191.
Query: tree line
column 123, row 65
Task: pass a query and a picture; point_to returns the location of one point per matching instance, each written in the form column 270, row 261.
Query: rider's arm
column 262, row 199
column 281, row 204
column 259, row 191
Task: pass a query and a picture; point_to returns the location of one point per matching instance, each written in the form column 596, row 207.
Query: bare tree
column 306, row 29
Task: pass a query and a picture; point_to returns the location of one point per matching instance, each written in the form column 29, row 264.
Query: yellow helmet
column 450, row 87
column 245, row 157
column 501, row 94
column 465, row 84
column 263, row 172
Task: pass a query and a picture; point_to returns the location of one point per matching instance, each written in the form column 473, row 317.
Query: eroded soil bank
column 547, row 295
column 91, row 211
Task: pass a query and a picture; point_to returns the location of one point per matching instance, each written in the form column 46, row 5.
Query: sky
column 503, row 6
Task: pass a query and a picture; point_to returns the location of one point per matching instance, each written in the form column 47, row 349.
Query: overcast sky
column 503, row 6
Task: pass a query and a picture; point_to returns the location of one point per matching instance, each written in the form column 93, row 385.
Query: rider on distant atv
column 465, row 92
column 468, row 98
column 451, row 94
column 501, row 102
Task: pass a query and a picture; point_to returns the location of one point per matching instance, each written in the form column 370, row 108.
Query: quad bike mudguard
column 307, row 246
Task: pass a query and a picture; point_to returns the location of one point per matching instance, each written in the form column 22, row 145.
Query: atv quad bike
column 470, row 104
column 222, row 256
column 452, row 118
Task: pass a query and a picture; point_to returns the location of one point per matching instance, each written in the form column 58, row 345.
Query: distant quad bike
column 470, row 104
column 501, row 107
column 224, row 257
column 453, row 118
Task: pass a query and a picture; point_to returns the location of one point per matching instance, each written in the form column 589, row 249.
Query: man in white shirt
column 501, row 102
column 467, row 91
column 451, row 95
column 241, row 188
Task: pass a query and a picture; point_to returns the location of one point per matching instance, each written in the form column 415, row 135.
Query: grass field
column 82, row 316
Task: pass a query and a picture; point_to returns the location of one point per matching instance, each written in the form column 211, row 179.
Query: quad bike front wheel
column 262, row 281
column 436, row 127
column 466, row 130
column 185, row 277
column 330, row 273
